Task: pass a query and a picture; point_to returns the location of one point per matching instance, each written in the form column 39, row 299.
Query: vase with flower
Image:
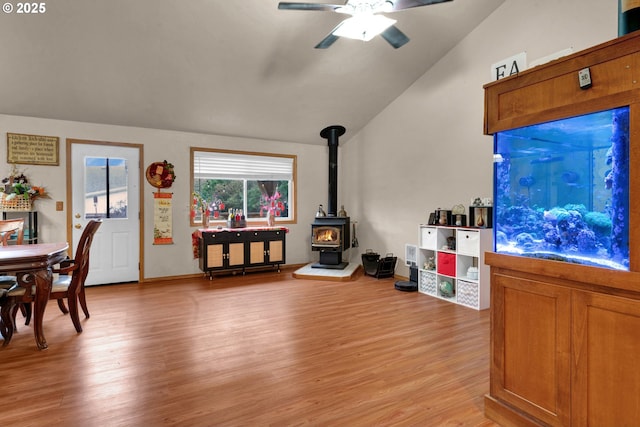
column 271, row 218
column 201, row 205
column 17, row 193
column 270, row 204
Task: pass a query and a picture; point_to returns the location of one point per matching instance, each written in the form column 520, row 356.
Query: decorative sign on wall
column 509, row 66
column 162, row 219
column 33, row 149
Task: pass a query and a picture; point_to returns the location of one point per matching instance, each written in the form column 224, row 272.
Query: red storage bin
column 446, row 264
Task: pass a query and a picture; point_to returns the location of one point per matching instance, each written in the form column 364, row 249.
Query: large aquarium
column 562, row 190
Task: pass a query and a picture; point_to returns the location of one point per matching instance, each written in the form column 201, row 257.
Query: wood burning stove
column 330, row 234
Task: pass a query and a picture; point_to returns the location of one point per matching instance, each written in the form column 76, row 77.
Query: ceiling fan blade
column 408, row 4
column 309, row 6
column 327, row 41
column 330, row 39
column 394, row 36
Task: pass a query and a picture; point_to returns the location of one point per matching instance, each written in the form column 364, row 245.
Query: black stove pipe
column 331, row 134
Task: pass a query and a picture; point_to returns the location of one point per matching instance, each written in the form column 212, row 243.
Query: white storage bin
column 468, row 294
column 428, row 283
column 428, row 237
column 468, row 242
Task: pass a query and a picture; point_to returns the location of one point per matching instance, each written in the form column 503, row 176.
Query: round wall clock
column 160, row 174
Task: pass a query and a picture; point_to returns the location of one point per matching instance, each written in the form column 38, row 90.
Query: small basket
column 17, row 204
column 376, row 266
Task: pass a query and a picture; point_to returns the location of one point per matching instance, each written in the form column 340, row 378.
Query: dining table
column 32, row 265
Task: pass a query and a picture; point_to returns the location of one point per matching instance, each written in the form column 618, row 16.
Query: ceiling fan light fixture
column 363, row 27
column 387, row 6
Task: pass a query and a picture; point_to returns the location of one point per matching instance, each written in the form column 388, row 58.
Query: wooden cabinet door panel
column 530, row 361
column 256, row 253
column 606, row 390
column 215, row 258
column 236, row 254
column 276, row 251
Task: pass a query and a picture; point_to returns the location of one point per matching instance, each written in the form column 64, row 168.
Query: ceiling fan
column 365, row 21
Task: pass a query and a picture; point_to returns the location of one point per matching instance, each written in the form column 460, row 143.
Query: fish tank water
column 561, row 190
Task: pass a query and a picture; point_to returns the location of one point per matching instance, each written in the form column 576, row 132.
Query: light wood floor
column 257, row 350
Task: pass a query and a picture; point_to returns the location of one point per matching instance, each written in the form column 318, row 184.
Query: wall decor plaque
column 33, row 149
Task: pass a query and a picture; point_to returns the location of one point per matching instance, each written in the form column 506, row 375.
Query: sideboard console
column 241, row 248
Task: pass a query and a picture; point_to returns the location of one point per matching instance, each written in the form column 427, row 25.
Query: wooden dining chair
column 75, row 269
column 69, row 285
column 10, row 226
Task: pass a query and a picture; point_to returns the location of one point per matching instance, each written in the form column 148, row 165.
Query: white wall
column 176, row 259
column 427, row 149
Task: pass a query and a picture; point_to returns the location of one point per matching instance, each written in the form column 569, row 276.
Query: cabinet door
column 530, row 359
column 276, row 251
column 215, row 255
column 606, row 336
column 257, row 253
column 235, row 254
column 276, row 247
column 235, row 249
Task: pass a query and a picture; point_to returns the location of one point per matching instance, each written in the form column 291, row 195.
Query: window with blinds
column 251, row 184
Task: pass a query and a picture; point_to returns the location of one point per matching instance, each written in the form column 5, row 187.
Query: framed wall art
column 33, row 149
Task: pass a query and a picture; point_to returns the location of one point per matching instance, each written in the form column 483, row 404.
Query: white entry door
column 105, row 184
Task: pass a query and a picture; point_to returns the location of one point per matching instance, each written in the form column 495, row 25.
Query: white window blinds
column 222, row 165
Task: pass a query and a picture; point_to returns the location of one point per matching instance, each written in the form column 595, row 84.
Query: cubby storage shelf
column 447, row 257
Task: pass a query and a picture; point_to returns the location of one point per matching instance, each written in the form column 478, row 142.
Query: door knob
column 78, row 226
column 78, row 215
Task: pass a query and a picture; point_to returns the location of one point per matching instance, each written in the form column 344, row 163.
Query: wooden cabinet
column 606, row 338
column 564, row 347
column 454, row 256
column 222, row 250
column 266, row 247
column 233, row 249
column 530, row 367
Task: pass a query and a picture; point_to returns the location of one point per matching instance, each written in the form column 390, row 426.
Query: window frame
column 293, row 192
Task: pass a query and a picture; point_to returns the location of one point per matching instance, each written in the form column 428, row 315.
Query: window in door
column 106, row 194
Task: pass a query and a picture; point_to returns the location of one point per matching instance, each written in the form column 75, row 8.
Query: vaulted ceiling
column 235, row 67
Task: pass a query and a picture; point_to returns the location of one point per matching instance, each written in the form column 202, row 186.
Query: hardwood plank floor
column 263, row 349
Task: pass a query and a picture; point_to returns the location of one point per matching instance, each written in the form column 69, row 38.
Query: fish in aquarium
column 562, row 190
